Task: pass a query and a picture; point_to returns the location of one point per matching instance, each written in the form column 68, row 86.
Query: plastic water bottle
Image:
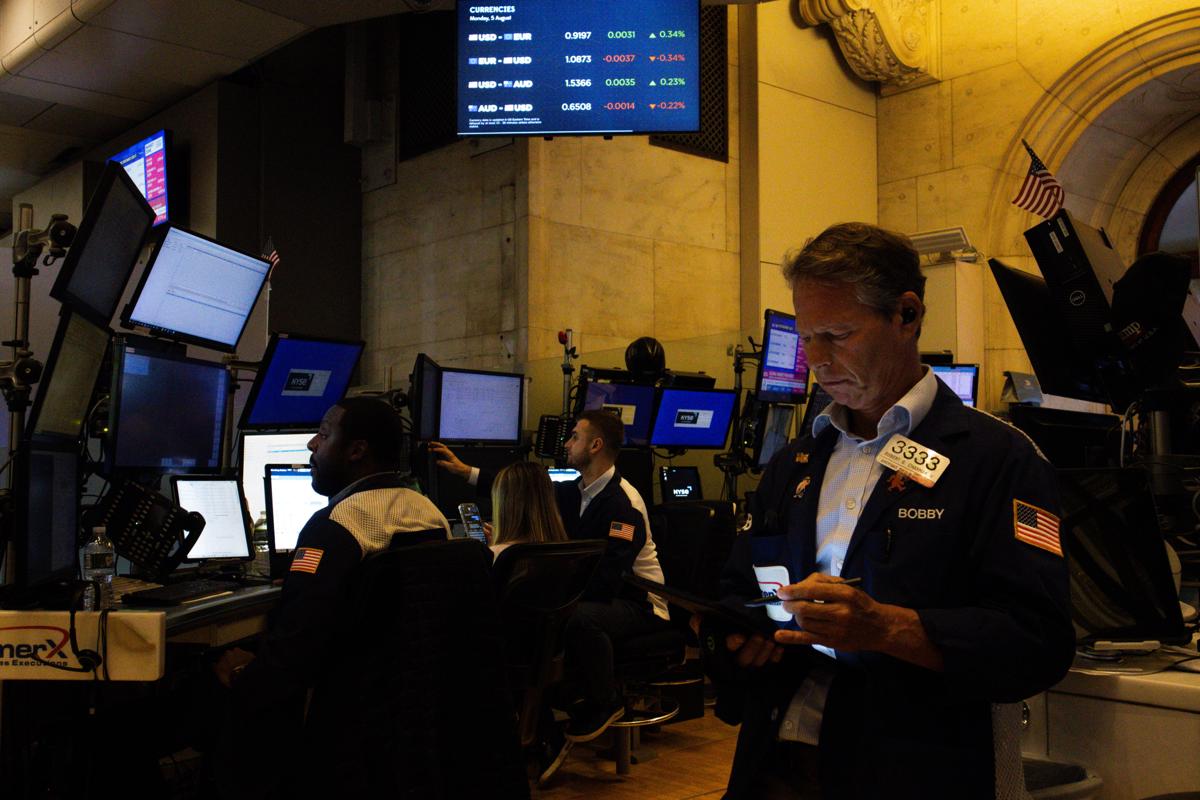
column 262, row 547
column 99, row 563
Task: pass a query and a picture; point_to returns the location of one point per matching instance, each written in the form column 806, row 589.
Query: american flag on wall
column 1034, row 526
column 1041, row 193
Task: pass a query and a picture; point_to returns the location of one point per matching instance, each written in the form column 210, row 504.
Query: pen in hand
column 772, row 599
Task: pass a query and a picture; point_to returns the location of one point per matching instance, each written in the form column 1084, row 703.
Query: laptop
column 225, row 539
column 1123, row 595
column 679, row 484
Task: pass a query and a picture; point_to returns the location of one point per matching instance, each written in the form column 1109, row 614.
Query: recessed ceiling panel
column 225, row 27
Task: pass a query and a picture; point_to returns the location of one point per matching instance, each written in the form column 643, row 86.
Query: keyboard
column 182, row 593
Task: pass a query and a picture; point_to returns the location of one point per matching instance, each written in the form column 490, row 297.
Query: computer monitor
column 46, row 547
column 147, row 165
column 1060, row 368
column 562, row 474
column 478, row 406
column 291, row 501
column 693, row 418
column 111, row 234
column 633, row 403
column 196, row 290
column 166, row 411
column 678, row 484
column 426, row 383
column 259, row 448
column 776, row 430
column 299, row 379
column 963, row 380
column 783, row 372
column 65, row 390
column 1121, row 584
column 818, row 401
column 227, row 529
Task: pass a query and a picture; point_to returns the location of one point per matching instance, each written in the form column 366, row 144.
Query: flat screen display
column 260, row 449
column 65, row 389
column 226, row 531
column 423, row 397
column 783, row 373
column 167, row 411
column 633, row 404
column 693, row 418
column 300, row 378
column 146, row 165
column 540, row 67
column 196, row 290
column 679, row 484
column 963, row 380
column 111, row 234
column 49, row 547
column 480, row 406
column 291, row 501
column 563, row 474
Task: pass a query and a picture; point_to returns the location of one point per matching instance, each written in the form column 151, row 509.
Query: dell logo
column 1077, row 298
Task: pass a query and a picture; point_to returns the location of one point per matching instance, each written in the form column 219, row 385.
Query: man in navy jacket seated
column 600, row 504
column 947, row 516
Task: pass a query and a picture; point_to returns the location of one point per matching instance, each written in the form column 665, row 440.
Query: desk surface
column 1174, row 689
column 247, row 601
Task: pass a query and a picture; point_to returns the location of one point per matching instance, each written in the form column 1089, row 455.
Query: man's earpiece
column 908, row 314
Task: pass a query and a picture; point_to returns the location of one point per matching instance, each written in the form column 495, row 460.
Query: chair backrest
column 537, row 586
column 415, row 687
column 693, row 541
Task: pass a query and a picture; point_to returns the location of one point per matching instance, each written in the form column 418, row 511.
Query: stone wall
column 1103, row 90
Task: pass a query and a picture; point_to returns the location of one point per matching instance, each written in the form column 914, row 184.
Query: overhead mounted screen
column 542, row 67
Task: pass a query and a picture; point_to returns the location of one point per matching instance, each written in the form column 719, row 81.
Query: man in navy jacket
column 946, row 515
column 600, row 504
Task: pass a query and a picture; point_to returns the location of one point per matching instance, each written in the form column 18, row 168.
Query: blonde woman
column 523, row 507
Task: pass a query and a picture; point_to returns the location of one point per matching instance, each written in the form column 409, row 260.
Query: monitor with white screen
column 72, row 367
column 291, row 501
column 260, row 449
column 226, row 531
column 478, row 406
column 963, row 380
column 693, row 418
column 563, row 474
column 196, row 290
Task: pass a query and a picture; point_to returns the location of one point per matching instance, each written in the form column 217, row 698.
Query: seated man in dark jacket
column 356, row 455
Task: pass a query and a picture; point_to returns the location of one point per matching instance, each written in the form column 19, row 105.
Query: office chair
column 538, row 586
column 411, row 704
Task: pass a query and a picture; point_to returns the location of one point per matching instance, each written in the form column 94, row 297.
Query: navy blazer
column 996, row 607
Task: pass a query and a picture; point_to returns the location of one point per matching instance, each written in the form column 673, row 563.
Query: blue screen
column 584, row 66
column 146, row 163
column 688, row 418
column 300, row 382
column 633, row 404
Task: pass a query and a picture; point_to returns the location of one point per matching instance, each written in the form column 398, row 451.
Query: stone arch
column 1113, row 129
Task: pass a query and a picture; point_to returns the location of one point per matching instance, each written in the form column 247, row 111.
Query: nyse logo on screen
column 693, row 418
column 306, row 383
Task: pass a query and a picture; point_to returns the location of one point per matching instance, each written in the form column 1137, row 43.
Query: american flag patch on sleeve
column 306, row 560
column 621, row 530
column 1034, row 526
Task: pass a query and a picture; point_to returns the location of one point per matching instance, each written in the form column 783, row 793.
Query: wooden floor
column 690, row 760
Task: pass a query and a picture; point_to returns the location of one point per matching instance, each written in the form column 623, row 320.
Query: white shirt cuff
column 473, row 478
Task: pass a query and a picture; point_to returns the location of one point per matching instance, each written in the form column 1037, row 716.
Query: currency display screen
column 542, row 67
